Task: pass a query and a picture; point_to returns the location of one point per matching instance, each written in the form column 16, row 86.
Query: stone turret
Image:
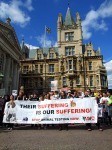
column 78, row 20
column 59, row 26
column 69, row 21
column 8, row 20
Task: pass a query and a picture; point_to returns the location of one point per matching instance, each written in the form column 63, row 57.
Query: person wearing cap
column 69, row 95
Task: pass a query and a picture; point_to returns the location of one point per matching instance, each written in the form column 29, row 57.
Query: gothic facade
column 73, row 64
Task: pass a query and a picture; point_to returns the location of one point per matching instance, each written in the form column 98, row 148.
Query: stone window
column 91, row 80
column 78, row 80
column 51, row 55
column 51, row 68
column 41, row 68
column 103, row 81
column 36, row 68
column 90, row 66
column 70, row 64
column 69, row 36
column 41, row 82
column 69, row 51
column 39, row 56
column 89, row 52
column 25, row 69
column 64, row 81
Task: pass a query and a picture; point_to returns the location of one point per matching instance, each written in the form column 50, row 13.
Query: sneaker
column 89, row 129
column 60, row 129
column 100, row 129
column 45, row 128
column 39, row 128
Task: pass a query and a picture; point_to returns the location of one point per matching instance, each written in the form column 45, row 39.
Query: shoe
column 66, row 128
column 39, row 128
column 89, row 129
column 60, row 129
column 45, row 128
column 100, row 129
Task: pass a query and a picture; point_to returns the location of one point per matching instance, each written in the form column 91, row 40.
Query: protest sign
column 76, row 110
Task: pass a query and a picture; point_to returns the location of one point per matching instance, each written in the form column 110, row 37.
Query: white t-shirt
column 104, row 100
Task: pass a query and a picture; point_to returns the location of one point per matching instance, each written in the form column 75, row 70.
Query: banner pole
column 45, row 37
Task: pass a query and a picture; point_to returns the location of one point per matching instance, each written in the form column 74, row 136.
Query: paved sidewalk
column 76, row 138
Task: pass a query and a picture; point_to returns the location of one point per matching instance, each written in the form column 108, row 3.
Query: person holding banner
column 89, row 125
column 69, row 95
column 47, row 97
column 104, row 101
column 61, row 126
column 21, row 96
column 11, row 116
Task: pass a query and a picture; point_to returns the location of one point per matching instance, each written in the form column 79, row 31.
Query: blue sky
column 29, row 18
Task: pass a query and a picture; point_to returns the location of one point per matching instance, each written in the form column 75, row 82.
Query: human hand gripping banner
column 59, row 111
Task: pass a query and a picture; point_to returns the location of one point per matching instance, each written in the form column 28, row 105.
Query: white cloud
column 45, row 42
column 108, row 66
column 15, row 10
column 95, row 19
column 28, row 5
column 31, row 47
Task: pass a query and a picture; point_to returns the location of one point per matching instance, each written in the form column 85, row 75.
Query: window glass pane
column 64, row 81
column 70, row 64
column 69, row 36
column 69, row 51
column 51, row 56
column 90, row 65
column 51, row 68
column 89, row 52
column 91, row 80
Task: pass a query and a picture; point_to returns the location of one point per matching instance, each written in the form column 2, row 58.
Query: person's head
column 41, row 98
column 69, row 92
column 108, row 93
column 88, row 92
column 63, row 95
column 12, row 98
column 47, row 96
column 56, row 93
column 104, row 94
column 7, row 97
column 51, row 93
column 34, row 95
column 21, row 93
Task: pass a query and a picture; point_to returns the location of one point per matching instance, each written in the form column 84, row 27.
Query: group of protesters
column 103, row 99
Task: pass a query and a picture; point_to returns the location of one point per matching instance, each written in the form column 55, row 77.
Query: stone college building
column 10, row 55
column 72, row 64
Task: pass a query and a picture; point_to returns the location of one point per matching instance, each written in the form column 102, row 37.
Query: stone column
column 17, row 76
column 7, row 74
column 14, row 76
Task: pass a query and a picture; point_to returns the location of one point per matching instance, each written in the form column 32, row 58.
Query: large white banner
column 76, row 110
